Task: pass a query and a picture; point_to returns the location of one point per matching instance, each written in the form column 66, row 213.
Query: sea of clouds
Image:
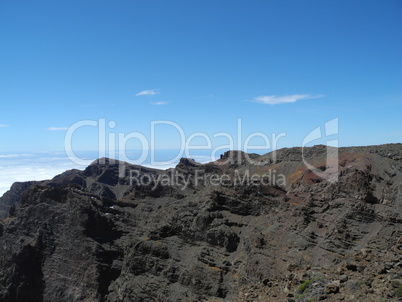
column 25, row 167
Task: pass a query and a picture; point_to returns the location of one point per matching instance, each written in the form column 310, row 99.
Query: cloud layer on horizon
column 27, row 167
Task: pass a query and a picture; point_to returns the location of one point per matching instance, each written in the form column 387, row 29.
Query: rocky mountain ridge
column 244, row 228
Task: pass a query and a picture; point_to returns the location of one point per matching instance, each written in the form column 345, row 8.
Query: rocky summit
column 312, row 224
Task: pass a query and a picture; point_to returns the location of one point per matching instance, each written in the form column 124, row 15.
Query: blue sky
column 279, row 66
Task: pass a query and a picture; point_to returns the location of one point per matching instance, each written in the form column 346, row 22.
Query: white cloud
column 148, row 92
column 31, row 167
column 14, row 155
column 160, row 103
column 274, row 99
column 1, row 125
column 57, row 128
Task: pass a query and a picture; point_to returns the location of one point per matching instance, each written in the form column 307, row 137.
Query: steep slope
column 243, row 228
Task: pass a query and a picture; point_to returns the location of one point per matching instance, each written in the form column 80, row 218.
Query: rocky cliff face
column 231, row 230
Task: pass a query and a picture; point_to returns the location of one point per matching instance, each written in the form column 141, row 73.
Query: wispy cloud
column 274, row 99
column 160, row 103
column 14, row 155
column 1, row 125
column 57, row 128
column 148, row 92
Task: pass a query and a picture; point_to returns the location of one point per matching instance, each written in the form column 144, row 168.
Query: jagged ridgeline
column 244, row 228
